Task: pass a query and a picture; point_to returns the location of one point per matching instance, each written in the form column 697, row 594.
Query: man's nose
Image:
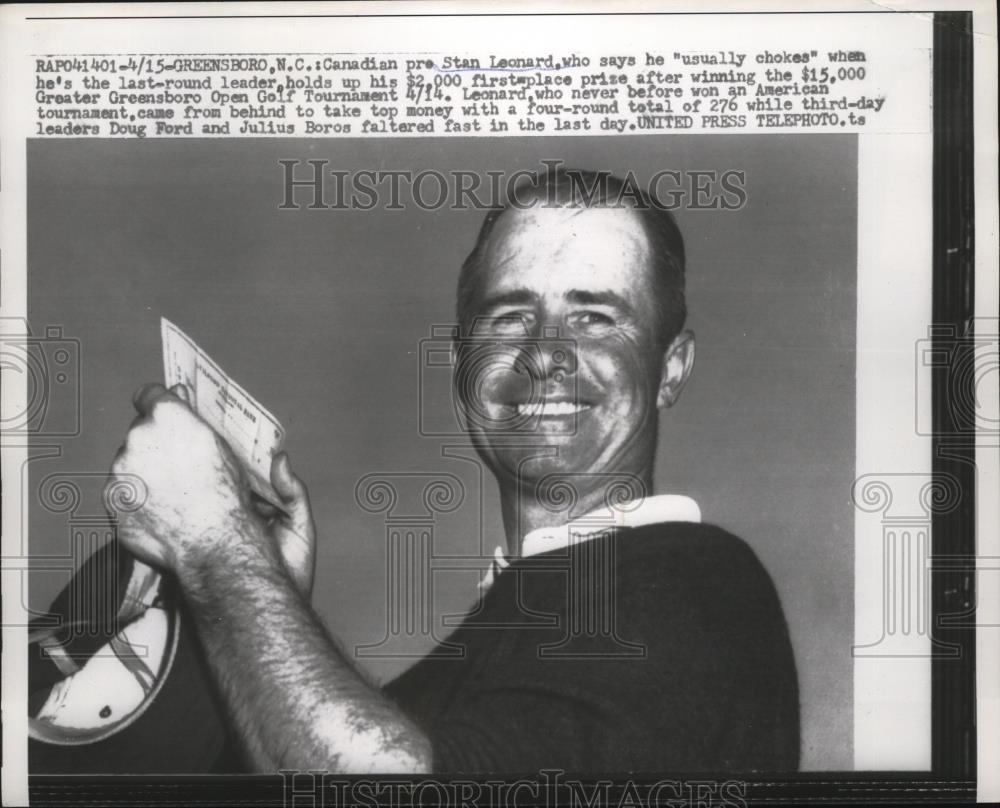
column 548, row 356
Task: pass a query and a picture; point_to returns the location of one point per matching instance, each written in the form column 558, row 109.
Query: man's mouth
column 546, row 409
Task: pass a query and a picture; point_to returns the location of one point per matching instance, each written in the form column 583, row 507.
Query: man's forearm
column 294, row 696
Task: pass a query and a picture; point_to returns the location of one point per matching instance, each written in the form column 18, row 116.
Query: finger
column 289, row 487
column 295, row 496
column 181, row 391
column 140, row 544
column 147, row 395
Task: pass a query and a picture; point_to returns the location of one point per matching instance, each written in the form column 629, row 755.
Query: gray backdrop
column 321, row 316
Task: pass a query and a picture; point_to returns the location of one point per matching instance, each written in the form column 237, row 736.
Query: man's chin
column 528, row 465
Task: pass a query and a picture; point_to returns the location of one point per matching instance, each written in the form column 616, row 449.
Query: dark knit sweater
column 691, row 671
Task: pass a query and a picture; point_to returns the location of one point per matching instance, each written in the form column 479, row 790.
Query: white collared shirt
column 634, row 513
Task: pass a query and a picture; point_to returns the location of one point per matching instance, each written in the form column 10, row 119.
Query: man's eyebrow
column 605, row 298
column 515, row 297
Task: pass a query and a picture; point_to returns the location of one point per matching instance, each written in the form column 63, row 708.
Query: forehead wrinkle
column 504, row 259
column 627, row 242
column 497, row 258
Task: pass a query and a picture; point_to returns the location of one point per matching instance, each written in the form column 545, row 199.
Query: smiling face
column 564, row 358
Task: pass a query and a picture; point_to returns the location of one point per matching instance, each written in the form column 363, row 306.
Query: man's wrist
column 231, row 561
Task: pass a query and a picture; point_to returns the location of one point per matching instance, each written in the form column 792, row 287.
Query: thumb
column 289, row 487
column 297, row 534
column 181, row 391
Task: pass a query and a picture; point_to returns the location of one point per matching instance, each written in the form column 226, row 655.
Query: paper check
column 254, row 435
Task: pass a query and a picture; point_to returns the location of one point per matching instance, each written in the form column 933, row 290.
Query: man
column 622, row 636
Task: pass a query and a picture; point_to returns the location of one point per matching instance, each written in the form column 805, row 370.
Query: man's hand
column 195, row 498
column 246, row 569
column 196, row 505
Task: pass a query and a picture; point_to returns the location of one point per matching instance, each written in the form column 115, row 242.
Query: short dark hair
column 573, row 187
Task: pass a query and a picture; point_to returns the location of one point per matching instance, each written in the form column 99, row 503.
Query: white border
column 893, row 160
column 987, row 447
column 890, row 692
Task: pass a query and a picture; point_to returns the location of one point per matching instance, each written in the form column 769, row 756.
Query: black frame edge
column 953, row 697
column 952, row 776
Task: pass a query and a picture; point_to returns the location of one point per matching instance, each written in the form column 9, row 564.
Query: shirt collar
column 634, row 513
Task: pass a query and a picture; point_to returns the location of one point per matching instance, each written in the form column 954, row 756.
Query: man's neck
column 523, row 511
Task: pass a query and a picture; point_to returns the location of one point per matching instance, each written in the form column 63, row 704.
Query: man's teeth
column 551, row 408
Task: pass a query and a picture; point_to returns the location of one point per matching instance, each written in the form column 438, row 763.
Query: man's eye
column 591, row 319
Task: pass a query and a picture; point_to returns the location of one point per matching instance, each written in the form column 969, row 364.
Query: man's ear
column 678, row 360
